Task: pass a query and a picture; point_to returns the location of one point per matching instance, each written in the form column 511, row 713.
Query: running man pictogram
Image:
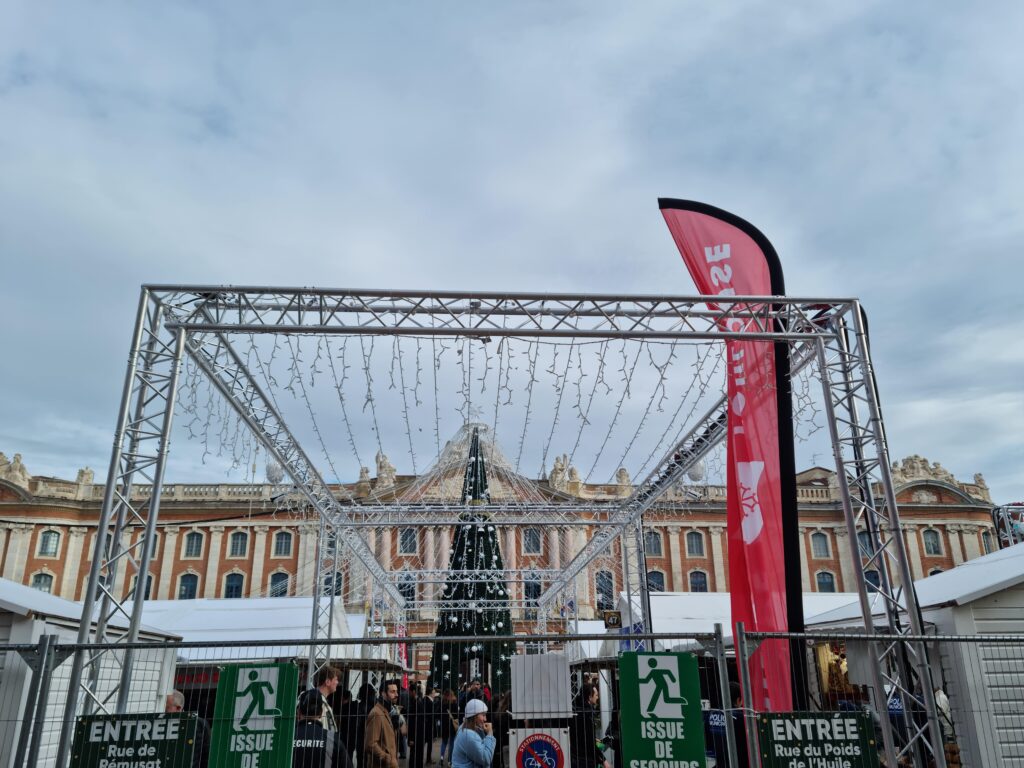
column 661, row 678
column 258, row 690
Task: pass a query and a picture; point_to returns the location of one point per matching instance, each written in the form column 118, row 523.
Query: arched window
column 282, row 544
column 188, row 586
column 819, row 545
column 407, row 586
column 873, row 580
column 239, row 544
column 531, row 541
column 49, row 543
column 531, row 593
column 695, row 544
column 408, row 542
column 826, row 581
column 698, row 581
column 655, row 581
column 652, row 543
column 987, row 542
column 864, row 543
column 154, row 545
column 43, row 582
column 278, row 585
column 934, row 571
column 193, row 544
column 932, row 542
column 604, row 584
column 149, row 586
column 333, row 585
column 233, row 584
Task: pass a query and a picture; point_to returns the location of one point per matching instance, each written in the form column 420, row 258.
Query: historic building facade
column 229, row 540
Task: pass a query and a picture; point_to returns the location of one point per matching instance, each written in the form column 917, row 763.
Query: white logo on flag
column 749, row 474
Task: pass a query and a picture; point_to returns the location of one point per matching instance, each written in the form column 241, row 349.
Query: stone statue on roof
column 385, row 472
column 14, row 471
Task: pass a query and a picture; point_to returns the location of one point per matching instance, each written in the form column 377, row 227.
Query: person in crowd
column 449, row 725
column 470, row 692
column 434, row 702
column 348, row 715
column 420, row 720
column 326, row 682
column 380, row 743
column 739, row 725
column 613, row 738
column 501, row 723
column 201, row 749
column 367, row 701
column 399, row 723
column 584, row 749
column 314, row 746
column 474, row 742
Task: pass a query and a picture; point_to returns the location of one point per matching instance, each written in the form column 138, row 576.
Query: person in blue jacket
column 474, row 743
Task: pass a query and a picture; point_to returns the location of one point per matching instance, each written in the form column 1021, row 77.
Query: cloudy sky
column 517, row 146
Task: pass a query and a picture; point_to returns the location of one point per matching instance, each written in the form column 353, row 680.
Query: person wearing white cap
column 474, row 743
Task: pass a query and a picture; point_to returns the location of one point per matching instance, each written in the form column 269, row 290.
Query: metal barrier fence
column 978, row 682
column 570, row 686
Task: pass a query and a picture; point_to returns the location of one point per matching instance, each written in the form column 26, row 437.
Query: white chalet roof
column 253, row 618
column 34, row 604
column 961, row 585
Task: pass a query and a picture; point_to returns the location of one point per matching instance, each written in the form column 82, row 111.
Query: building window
column 987, row 543
column 934, row 571
column 407, row 586
column 188, row 586
column 819, row 545
column 149, row 586
column 408, row 543
column 233, row 584
column 531, row 541
column 531, row 593
column 43, row 582
column 605, row 588
column 239, row 544
column 695, row 544
column 282, row 544
column 698, row 581
column 49, row 543
column 333, row 584
column 154, row 545
column 873, row 580
column 655, row 581
column 826, row 581
column 932, row 542
column 864, row 543
column 193, row 544
column 279, row 585
column 652, row 543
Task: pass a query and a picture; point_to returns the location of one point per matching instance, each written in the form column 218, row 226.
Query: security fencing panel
column 978, row 685
column 543, row 701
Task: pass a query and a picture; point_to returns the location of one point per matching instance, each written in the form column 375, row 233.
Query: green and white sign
column 661, row 718
column 817, row 740
column 134, row 741
column 254, row 717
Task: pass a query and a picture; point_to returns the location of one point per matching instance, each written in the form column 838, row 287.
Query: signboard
column 662, row 723
column 612, row 619
column 817, row 740
column 254, row 718
column 539, row 748
column 134, row 741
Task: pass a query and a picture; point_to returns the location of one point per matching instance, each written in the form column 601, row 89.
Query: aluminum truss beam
column 869, row 502
column 139, row 453
column 420, row 313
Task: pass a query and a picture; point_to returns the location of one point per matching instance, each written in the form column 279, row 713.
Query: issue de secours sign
column 254, row 717
column 817, row 740
column 661, row 720
column 134, row 741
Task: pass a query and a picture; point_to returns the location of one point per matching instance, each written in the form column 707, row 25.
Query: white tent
column 26, row 614
column 249, row 619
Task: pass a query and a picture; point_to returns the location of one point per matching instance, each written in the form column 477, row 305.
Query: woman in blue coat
column 474, row 743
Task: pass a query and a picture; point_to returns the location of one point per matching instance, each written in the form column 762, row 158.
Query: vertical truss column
column 869, row 504
column 139, row 453
column 325, row 596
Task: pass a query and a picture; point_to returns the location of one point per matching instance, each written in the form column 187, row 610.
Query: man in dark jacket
column 420, row 719
column 583, row 736
column 314, row 746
